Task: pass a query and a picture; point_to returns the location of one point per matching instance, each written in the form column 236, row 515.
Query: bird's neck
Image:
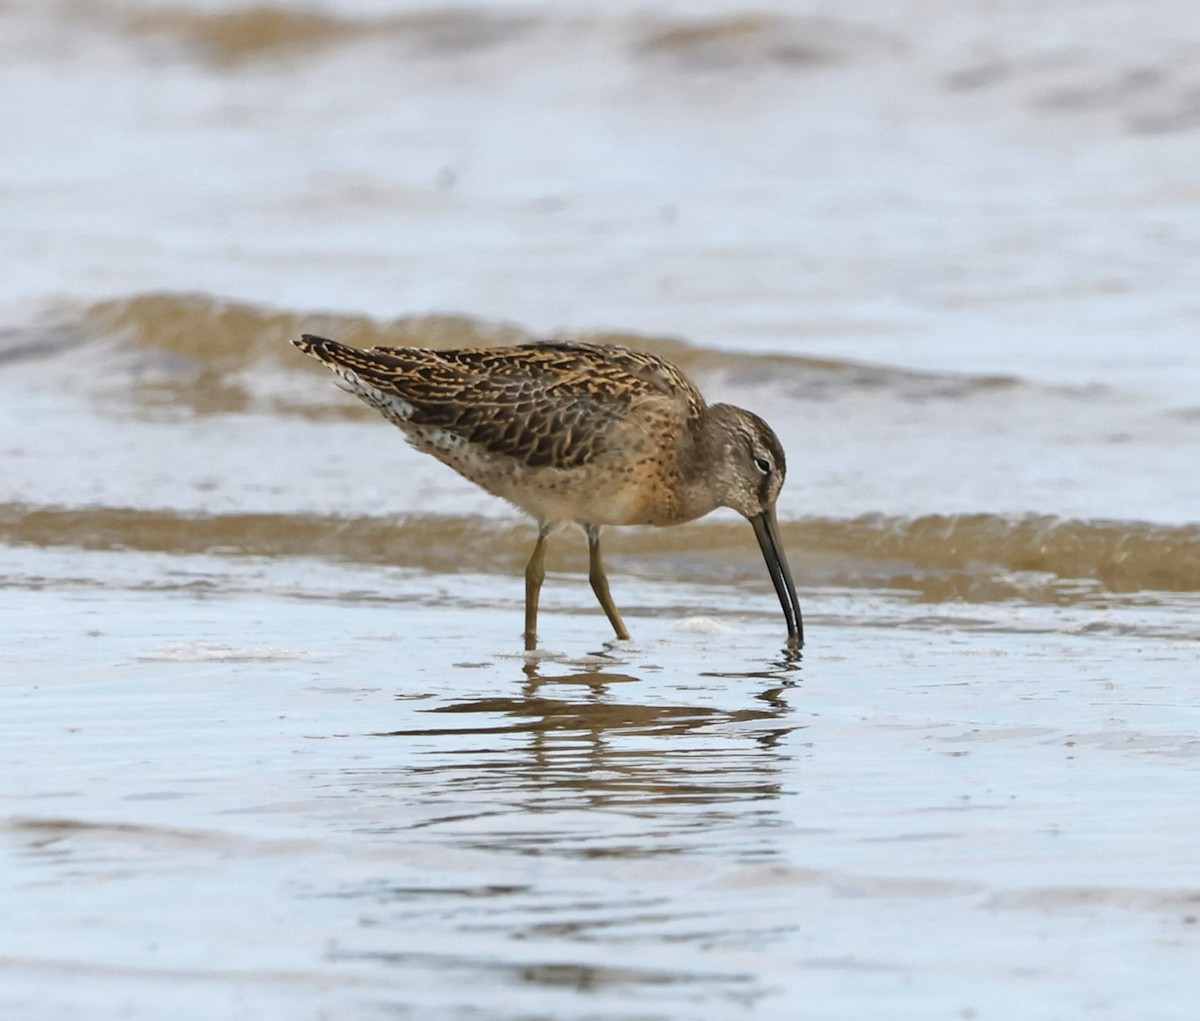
column 701, row 469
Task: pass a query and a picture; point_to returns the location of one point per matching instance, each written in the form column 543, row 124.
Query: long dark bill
column 766, row 530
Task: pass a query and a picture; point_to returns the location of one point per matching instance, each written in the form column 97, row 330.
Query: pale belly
column 579, row 496
column 622, row 493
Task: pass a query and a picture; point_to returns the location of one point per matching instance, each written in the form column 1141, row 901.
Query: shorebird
column 579, row 433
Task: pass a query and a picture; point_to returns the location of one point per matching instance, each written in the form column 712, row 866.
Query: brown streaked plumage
column 585, row 433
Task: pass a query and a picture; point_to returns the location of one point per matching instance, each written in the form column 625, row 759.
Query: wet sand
column 242, row 788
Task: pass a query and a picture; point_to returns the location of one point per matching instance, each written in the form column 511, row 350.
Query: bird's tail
column 374, row 366
column 322, row 348
column 372, row 376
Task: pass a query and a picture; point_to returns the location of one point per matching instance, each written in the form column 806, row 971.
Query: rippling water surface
column 268, row 746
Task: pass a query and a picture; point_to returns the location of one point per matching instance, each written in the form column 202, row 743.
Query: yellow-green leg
column 535, row 574
column 600, row 582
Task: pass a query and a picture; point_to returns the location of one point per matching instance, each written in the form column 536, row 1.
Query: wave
column 207, row 355
column 1146, row 88
column 939, row 558
column 240, row 35
column 747, row 40
column 259, row 32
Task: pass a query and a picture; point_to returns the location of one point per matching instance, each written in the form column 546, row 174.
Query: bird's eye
column 763, row 465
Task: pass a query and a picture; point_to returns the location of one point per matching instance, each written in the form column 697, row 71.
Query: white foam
column 215, row 652
column 703, row 626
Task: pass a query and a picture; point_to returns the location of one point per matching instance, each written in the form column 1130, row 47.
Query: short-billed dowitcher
column 585, row 433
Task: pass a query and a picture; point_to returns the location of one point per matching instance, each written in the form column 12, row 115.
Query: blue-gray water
column 267, row 744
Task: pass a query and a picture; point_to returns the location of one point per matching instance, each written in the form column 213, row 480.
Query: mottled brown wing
column 554, row 403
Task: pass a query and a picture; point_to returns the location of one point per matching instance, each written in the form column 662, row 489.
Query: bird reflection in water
column 589, row 738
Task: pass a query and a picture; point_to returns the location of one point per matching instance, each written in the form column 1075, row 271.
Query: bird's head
column 747, row 469
column 748, row 463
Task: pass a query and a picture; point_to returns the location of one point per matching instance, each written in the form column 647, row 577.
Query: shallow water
column 244, row 794
column 268, row 747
